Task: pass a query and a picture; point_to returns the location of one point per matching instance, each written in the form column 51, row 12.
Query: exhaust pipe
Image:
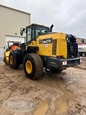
column 51, row 27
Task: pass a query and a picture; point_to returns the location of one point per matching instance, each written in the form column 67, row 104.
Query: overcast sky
column 67, row 15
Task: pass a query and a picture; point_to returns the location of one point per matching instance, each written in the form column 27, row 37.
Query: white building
column 11, row 20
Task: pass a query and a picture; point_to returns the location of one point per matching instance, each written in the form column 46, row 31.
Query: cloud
column 66, row 15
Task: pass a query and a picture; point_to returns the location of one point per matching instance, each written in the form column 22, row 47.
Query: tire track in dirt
column 52, row 93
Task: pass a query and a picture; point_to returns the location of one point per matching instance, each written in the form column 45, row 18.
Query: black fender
column 18, row 55
column 32, row 49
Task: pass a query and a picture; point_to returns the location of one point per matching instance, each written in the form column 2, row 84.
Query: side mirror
column 22, row 30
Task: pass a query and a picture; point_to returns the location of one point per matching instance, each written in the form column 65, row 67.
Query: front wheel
column 13, row 61
column 33, row 66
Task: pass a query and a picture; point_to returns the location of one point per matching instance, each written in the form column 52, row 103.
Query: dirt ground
column 55, row 94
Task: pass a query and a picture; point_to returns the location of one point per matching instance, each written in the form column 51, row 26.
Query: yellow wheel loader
column 43, row 48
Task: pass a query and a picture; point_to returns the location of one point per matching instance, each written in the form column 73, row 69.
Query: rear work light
column 64, row 63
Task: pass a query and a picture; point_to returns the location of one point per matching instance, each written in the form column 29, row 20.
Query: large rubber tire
column 33, row 66
column 13, row 61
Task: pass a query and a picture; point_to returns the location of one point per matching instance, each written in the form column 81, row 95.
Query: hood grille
column 72, row 46
column 54, row 44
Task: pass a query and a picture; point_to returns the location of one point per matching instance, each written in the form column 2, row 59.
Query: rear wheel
column 33, row 66
column 13, row 61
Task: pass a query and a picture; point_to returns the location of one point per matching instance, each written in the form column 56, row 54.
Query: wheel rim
column 5, row 60
column 28, row 67
column 11, row 60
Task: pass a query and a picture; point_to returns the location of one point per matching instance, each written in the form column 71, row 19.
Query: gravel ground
column 1, row 60
column 54, row 94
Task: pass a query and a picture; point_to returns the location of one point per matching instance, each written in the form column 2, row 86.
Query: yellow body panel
column 33, row 43
column 63, row 46
column 46, row 49
column 6, row 56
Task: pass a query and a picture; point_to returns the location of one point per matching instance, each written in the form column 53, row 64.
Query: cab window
column 28, row 34
column 41, row 30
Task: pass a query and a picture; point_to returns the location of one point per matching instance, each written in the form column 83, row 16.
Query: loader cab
column 35, row 30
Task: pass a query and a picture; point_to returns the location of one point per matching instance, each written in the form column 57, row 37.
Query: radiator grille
column 54, row 44
column 72, row 47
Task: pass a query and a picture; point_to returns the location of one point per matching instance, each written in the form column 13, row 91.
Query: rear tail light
column 64, row 63
column 62, row 57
